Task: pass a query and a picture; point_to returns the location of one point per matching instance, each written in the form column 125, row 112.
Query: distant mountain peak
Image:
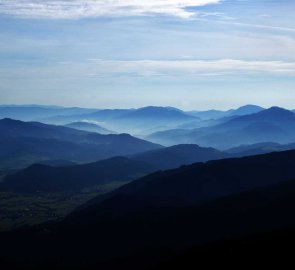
column 250, row 106
column 276, row 108
column 277, row 111
column 247, row 109
column 186, row 145
column 6, row 119
column 156, row 113
column 178, row 155
column 275, row 115
column 158, row 108
column 10, row 121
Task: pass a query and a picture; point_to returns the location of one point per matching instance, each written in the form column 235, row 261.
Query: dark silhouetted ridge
column 177, row 155
column 43, row 178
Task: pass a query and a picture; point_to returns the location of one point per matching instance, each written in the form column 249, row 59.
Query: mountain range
column 135, row 121
column 66, row 176
column 24, row 143
column 271, row 125
column 201, row 182
column 140, row 121
column 40, row 178
column 258, row 148
column 157, row 216
column 90, row 127
column 62, row 176
column 216, row 114
column 177, row 155
column 221, row 188
column 38, row 112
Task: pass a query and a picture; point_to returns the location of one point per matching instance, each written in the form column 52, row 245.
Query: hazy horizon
column 151, row 105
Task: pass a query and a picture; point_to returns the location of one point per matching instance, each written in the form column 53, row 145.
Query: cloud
column 93, row 122
column 259, row 26
column 97, row 68
column 191, row 67
column 71, row 9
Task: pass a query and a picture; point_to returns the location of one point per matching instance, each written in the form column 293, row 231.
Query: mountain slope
column 275, row 115
column 258, row 149
column 246, row 110
column 37, row 112
column 261, row 218
column 145, row 120
column 177, row 155
column 157, row 113
column 133, row 121
column 208, row 115
column 206, row 181
column 125, row 230
column 90, row 127
column 216, row 114
column 43, row 178
column 274, row 124
column 24, row 143
column 17, row 128
column 98, row 115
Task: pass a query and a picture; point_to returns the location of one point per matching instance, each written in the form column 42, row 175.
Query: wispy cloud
column 259, row 26
column 98, row 68
column 71, row 9
column 191, row 67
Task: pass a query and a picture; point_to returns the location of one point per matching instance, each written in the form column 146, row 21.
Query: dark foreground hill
column 157, row 216
column 200, row 182
column 48, row 179
column 271, row 249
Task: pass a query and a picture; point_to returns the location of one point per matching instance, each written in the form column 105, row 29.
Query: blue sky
column 192, row 54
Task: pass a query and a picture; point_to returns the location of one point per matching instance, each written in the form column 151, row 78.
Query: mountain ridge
column 41, row 142
column 200, row 181
column 177, row 155
column 273, row 124
column 39, row 178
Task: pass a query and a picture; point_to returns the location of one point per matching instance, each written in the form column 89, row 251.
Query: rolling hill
column 155, row 217
column 142, row 120
column 24, row 143
column 145, row 120
column 201, row 182
column 217, row 114
column 258, row 149
column 153, row 113
column 38, row 112
column 47, row 179
column 177, row 155
column 90, row 127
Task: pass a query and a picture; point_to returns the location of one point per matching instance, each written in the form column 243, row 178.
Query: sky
column 190, row 54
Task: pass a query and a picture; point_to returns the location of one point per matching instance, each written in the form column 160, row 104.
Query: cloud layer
column 71, row 9
column 191, row 67
column 97, row 68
